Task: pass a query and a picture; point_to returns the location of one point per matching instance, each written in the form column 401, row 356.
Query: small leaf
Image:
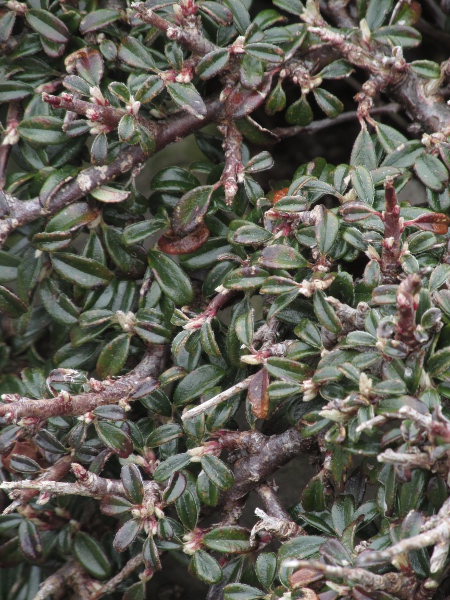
column 300, row 113
column 363, row 184
column 47, row 25
column 325, row 313
column 191, row 209
column 206, row 567
column 242, row 591
column 232, row 540
column 85, row 272
column 175, row 488
column 282, row 257
column 266, row 567
column 10, row 305
column 431, row 172
column 132, row 482
column 196, row 383
column 135, row 54
column 212, row 63
column 42, row 130
column 113, row 356
column 171, row 278
column 114, row 438
column 330, row 105
column 126, row 535
column 29, row 540
column 98, row 19
column 188, row 98
column 170, row 465
column 115, row 506
column 217, row 471
column 91, row 556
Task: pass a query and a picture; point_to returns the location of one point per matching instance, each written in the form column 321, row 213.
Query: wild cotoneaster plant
column 165, row 351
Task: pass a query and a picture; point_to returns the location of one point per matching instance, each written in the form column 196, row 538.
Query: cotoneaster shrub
column 163, row 354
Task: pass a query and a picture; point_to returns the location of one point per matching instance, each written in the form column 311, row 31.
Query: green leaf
column 14, row 90
column 285, row 368
column 188, row 98
column 363, row 184
column 241, row 591
column 217, row 471
column 196, row 383
column 42, row 130
column 126, row 535
column 91, row 556
column 363, row 152
column 113, row 356
column 230, row 540
column 431, row 172
column 58, row 305
column 265, row 52
column 300, row 113
column 164, row 434
column 47, row 25
column 114, row 438
column 206, row 567
column 170, row 465
column 132, row 482
column 294, row 7
column 426, row 68
column 171, row 278
column 190, row 210
column 10, row 305
column 115, row 506
column 126, row 128
column 266, row 568
column 174, row 180
column 327, row 229
column 282, row 257
column 135, row 54
column 330, row 105
column 187, row 509
column 29, row 540
column 439, row 363
column 98, row 19
column 212, row 63
column 377, row 12
column 85, row 272
column 241, row 18
column 175, row 488
column 326, row 313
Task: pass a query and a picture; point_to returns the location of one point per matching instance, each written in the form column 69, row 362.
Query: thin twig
column 315, row 126
column 225, row 395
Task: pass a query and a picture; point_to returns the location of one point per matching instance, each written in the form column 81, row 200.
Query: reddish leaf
column 172, row 244
column 258, row 395
column 436, row 222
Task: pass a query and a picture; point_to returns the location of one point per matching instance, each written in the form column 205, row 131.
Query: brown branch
column 111, row 585
column 106, row 115
column 394, row 76
column 106, row 392
column 407, row 302
column 190, row 38
column 392, row 243
column 15, row 213
column 266, row 455
column 315, row 126
column 52, row 474
column 233, row 170
column 11, row 138
column 56, row 583
column 87, row 484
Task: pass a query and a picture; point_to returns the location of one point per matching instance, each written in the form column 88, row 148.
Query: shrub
column 163, row 357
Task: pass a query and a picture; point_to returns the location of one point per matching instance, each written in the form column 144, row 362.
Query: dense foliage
column 163, row 354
